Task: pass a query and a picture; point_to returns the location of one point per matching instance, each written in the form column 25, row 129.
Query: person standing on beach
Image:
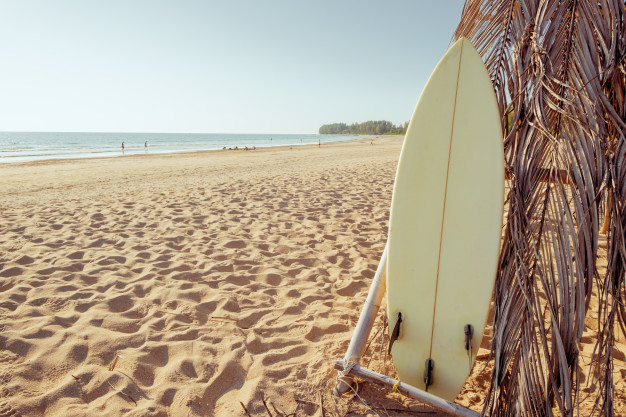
column 145, row 146
column 319, row 143
column 122, row 147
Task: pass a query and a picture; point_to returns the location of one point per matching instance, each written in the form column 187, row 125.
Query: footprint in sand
column 7, row 411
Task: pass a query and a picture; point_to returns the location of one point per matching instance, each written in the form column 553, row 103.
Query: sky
column 227, row 66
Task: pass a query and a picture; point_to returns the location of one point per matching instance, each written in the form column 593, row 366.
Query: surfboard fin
column 428, row 372
column 395, row 333
column 469, row 333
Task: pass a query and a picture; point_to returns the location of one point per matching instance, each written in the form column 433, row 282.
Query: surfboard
column 445, row 225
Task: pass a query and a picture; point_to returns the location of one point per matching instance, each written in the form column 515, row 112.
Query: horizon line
column 157, row 133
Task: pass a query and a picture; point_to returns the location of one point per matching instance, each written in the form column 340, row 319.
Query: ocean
column 32, row 146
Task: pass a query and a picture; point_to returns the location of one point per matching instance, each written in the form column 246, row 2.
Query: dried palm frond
column 612, row 296
column 555, row 67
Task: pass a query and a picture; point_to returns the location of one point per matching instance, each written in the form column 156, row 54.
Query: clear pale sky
column 227, row 66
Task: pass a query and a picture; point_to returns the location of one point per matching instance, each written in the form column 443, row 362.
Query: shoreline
column 98, row 176
column 200, row 153
column 139, row 150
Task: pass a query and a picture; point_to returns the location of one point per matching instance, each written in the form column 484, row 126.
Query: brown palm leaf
column 555, row 68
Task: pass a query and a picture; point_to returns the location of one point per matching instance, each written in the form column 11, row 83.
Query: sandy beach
column 189, row 284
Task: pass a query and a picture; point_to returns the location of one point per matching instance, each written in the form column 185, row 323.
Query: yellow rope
column 395, row 387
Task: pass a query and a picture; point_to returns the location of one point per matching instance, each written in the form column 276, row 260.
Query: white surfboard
column 445, row 224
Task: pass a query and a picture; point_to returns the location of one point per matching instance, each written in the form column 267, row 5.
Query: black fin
column 396, row 332
column 428, row 372
column 469, row 333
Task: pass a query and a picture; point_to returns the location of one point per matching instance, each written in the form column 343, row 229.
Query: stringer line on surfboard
column 427, row 377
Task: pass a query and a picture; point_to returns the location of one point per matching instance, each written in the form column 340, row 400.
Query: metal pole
column 366, row 322
column 408, row 390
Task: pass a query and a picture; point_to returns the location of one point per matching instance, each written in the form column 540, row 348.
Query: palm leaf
column 558, row 71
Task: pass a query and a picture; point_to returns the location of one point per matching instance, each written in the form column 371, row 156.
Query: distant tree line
column 380, row 127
